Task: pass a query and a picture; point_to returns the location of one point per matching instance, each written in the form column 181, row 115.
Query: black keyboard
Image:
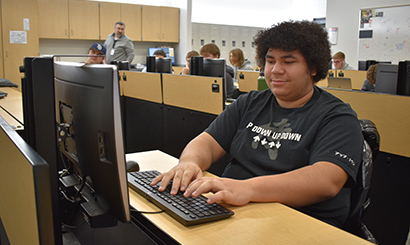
column 187, row 211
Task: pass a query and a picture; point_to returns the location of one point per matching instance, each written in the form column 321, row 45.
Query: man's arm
column 129, row 49
column 300, row 187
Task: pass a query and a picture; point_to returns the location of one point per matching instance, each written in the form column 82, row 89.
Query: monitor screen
column 168, row 51
column 90, row 135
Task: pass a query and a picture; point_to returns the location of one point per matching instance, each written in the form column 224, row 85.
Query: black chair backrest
column 359, row 197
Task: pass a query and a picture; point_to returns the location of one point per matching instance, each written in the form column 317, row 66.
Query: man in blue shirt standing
column 119, row 46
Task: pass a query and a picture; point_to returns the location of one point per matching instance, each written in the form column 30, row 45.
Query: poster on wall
column 384, row 34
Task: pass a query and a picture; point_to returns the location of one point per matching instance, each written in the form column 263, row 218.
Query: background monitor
column 169, row 51
column 26, row 198
column 386, row 78
column 89, row 125
column 403, row 78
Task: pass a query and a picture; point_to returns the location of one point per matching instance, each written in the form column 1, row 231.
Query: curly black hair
column 308, row 37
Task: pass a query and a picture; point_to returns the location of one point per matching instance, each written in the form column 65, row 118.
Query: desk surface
column 254, row 223
column 14, row 105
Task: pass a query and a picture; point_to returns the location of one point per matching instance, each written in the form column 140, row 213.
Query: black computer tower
column 403, row 78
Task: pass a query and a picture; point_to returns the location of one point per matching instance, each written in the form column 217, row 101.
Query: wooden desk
column 254, row 223
column 14, row 105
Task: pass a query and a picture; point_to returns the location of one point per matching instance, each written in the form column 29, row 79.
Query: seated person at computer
column 340, row 63
column 370, row 81
column 238, row 61
column 211, row 51
column 293, row 143
column 189, row 55
column 96, row 49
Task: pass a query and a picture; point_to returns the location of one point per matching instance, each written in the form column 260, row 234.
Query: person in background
column 160, row 53
column 293, row 143
column 119, row 46
column 340, row 63
column 211, row 51
column 189, row 55
column 96, row 49
column 239, row 62
column 370, row 82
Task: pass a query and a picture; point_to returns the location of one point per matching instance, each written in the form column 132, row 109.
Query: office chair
column 359, row 197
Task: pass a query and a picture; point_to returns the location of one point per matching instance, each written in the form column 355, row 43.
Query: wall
column 225, row 34
column 345, row 16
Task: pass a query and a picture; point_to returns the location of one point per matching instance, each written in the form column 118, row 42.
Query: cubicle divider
column 142, row 110
column 389, row 193
column 247, row 80
column 357, row 77
column 166, row 111
column 198, row 93
column 388, row 112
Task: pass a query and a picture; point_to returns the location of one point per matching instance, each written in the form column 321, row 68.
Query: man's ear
column 313, row 72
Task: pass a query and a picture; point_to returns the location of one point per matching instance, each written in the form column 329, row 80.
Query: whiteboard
column 384, row 34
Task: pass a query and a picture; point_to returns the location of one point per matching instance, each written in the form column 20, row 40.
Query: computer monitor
column 159, row 65
column 90, row 135
column 169, row 51
column 386, row 78
column 26, row 210
column 403, row 78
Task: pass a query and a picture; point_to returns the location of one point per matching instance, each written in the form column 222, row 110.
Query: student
column 211, row 51
column 189, row 55
column 160, row 53
column 119, row 46
column 239, row 62
column 96, row 49
column 370, row 82
column 340, row 63
column 293, row 143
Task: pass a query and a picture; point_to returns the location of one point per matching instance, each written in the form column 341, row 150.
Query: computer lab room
column 204, row 122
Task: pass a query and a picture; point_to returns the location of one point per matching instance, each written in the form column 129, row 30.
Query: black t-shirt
column 264, row 139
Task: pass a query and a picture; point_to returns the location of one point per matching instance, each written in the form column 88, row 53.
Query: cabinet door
column 131, row 16
column 169, row 24
column 20, row 21
column 151, row 23
column 1, row 50
column 84, row 20
column 110, row 13
column 53, row 19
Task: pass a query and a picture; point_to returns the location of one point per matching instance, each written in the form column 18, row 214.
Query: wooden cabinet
column 160, row 24
column 53, row 19
column 20, row 35
column 109, row 14
column 63, row 19
column 93, row 20
column 130, row 14
column 84, row 19
column 169, row 24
